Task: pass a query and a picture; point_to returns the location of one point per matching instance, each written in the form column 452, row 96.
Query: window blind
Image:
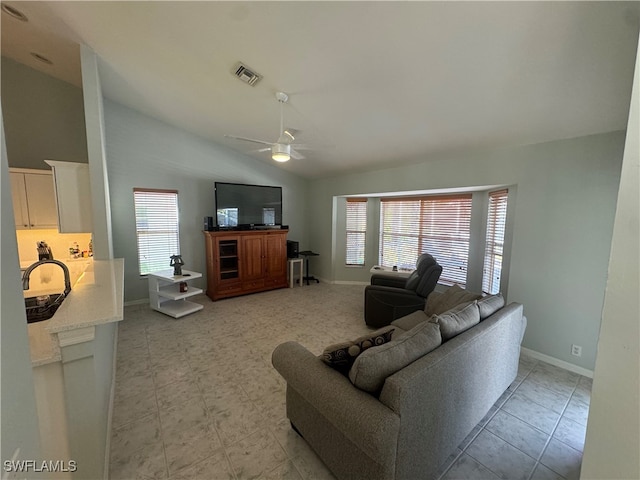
column 356, row 230
column 494, row 248
column 157, row 229
column 438, row 225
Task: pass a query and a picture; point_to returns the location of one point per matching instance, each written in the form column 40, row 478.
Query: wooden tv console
column 245, row 261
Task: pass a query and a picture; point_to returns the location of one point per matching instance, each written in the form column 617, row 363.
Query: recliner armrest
column 388, row 280
column 395, row 293
column 382, row 305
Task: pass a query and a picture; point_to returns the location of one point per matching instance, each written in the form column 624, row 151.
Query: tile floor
column 197, row 397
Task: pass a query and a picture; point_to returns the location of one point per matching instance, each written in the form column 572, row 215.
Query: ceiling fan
column 282, row 149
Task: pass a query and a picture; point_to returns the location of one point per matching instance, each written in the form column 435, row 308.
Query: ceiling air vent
column 246, row 74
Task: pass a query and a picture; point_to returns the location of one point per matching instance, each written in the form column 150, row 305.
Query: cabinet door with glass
column 228, row 260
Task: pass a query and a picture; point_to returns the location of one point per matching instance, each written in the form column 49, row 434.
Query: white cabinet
column 73, row 196
column 33, row 199
column 165, row 295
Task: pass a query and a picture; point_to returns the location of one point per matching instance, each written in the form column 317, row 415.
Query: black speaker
column 209, row 224
column 293, row 249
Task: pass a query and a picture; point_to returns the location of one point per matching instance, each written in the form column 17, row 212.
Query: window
column 156, row 228
column 496, row 221
column 438, row 225
column 356, row 230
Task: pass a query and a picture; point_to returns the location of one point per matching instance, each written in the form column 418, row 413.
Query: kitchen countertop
column 96, row 298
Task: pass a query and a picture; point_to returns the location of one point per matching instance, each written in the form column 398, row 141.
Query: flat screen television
column 247, row 206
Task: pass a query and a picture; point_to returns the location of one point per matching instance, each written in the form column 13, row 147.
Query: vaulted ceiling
column 372, row 84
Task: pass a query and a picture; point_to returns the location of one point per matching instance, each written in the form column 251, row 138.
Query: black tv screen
column 240, row 205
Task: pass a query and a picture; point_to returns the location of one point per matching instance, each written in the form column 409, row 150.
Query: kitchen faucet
column 27, row 273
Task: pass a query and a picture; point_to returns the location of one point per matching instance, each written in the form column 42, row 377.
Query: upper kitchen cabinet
column 33, row 199
column 73, row 196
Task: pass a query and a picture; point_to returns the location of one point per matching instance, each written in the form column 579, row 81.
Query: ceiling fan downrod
column 282, row 99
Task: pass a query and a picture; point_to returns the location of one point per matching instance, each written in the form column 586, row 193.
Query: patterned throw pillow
column 342, row 355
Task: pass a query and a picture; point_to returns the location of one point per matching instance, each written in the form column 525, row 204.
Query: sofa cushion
column 370, row 369
column 342, row 355
column 452, row 297
column 409, row 321
column 489, row 305
column 457, row 320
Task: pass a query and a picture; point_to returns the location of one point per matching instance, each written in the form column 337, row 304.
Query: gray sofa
column 408, row 428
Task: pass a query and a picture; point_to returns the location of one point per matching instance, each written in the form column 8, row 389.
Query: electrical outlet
column 576, row 350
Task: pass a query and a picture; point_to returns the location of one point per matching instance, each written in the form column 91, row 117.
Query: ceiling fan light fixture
column 281, row 152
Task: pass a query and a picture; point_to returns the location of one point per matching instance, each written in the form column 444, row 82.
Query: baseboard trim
column 558, row 363
column 347, row 282
column 142, row 301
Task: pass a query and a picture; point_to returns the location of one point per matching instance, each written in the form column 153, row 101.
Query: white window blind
column 494, row 249
column 438, row 225
column 156, row 228
column 356, row 230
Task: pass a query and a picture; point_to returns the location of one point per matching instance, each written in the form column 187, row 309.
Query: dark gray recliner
column 390, row 297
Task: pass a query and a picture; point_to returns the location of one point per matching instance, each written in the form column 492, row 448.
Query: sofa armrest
column 358, row 415
column 388, row 280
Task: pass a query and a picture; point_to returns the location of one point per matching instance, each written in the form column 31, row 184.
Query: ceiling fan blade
column 296, row 155
column 262, row 142
column 304, row 146
column 291, row 133
column 268, row 149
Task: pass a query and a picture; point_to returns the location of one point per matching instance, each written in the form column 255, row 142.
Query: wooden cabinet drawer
column 253, row 284
column 226, row 288
column 276, row 281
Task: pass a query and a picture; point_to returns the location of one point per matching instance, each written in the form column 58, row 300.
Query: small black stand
column 306, row 254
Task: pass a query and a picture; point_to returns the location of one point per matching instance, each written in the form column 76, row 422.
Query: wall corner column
column 94, row 119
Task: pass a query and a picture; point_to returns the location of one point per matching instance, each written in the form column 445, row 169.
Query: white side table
column 165, row 295
column 390, row 271
column 292, row 262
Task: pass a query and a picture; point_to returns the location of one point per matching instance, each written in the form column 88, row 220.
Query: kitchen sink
column 42, row 307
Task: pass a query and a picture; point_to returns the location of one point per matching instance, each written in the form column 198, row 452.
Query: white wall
column 98, row 175
column 44, row 117
column 563, row 222
column 19, row 417
column 143, row 152
column 104, row 354
column 612, row 447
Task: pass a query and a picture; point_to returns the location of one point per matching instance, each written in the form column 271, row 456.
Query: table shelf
column 165, row 295
column 178, row 308
column 173, row 292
